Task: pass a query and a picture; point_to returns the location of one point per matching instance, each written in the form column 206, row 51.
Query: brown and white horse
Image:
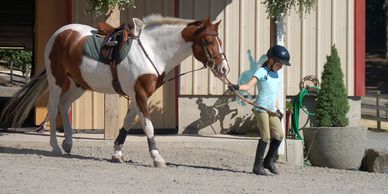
column 68, row 73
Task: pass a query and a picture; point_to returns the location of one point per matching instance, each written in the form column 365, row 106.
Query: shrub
column 20, row 58
column 332, row 102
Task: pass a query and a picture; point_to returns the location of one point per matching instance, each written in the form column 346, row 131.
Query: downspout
column 280, row 40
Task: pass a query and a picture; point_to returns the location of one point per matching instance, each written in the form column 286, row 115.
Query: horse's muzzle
column 221, row 69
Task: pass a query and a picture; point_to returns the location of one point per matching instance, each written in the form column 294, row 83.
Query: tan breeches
column 269, row 126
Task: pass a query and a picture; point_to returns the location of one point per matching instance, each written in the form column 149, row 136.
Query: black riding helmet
column 280, row 54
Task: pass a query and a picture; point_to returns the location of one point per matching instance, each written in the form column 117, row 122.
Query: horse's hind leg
column 67, row 98
column 119, row 142
column 54, row 95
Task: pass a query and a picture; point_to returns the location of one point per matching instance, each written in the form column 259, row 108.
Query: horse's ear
column 217, row 23
column 138, row 26
column 207, row 21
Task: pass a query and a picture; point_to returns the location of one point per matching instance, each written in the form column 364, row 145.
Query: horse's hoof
column 160, row 164
column 117, row 158
column 66, row 146
column 57, row 150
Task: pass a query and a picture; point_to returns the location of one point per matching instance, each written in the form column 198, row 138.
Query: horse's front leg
column 148, row 128
column 119, row 142
column 154, row 152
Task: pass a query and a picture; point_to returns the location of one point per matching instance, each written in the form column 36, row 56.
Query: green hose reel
column 298, row 102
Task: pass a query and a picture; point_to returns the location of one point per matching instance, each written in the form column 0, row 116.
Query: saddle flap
column 105, row 29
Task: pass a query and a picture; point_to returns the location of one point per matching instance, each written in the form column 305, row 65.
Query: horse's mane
column 156, row 19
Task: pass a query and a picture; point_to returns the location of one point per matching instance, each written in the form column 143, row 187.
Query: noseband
column 209, row 56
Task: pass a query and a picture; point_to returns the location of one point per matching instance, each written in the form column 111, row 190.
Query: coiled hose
column 297, row 105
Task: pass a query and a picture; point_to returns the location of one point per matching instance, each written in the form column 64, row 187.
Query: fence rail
column 375, row 107
column 14, row 74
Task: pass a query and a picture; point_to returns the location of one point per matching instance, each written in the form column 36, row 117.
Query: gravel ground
column 219, row 164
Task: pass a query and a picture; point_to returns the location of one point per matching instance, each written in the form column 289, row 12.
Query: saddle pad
column 92, row 49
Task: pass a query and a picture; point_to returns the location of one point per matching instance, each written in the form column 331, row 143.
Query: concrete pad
column 294, row 152
column 8, row 91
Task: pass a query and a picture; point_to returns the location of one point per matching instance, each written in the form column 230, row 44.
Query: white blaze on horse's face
column 224, row 67
column 207, row 47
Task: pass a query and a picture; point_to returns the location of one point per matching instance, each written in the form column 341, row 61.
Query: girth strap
column 115, row 80
column 114, row 52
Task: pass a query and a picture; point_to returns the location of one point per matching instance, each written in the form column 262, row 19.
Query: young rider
column 268, row 82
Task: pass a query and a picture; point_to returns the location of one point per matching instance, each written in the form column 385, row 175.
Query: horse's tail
column 20, row 104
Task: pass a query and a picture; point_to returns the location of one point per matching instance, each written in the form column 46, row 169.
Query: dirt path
column 194, row 165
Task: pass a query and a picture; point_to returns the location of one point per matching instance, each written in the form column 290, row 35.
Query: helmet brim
column 287, row 63
column 284, row 62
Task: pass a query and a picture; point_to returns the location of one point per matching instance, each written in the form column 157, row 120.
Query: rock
column 377, row 160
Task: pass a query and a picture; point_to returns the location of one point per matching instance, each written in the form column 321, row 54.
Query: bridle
column 209, row 56
column 210, row 60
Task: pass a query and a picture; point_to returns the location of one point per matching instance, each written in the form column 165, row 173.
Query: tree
column 332, row 102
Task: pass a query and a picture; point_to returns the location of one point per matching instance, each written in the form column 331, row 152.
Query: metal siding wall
column 201, row 78
column 187, row 81
column 310, row 38
column 88, row 111
column 216, row 7
column 294, row 45
column 232, row 38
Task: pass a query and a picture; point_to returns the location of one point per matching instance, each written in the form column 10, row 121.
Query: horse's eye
column 208, row 43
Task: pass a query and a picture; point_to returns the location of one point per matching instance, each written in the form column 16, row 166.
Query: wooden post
column 11, row 73
column 385, row 7
column 111, row 101
column 378, row 110
column 27, row 73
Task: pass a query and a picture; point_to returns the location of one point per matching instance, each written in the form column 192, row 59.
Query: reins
column 181, row 74
column 146, row 54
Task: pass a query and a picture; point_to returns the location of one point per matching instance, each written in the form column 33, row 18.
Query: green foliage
column 332, row 102
column 277, row 8
column 20, row 58
column 102, row 7
column 289, row 106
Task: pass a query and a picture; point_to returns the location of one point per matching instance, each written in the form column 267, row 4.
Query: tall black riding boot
column 258, row 167
column 269, row 159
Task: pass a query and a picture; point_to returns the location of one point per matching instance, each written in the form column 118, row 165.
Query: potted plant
column 333, row 143
column 105, row 7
